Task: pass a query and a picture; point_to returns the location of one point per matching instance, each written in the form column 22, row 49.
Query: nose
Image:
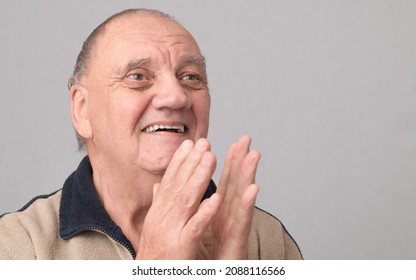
column 171, row 95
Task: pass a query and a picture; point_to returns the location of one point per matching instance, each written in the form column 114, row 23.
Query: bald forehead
column 145, row 22
column 141, row 27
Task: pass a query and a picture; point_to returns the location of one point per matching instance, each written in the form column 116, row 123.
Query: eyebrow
column 132, row 64
column 198, row 60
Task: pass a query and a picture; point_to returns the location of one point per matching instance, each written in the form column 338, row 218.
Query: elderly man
column 140, row 104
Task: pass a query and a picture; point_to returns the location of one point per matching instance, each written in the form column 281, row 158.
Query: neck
column 126, row 195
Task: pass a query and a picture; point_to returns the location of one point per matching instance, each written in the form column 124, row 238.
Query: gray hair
column 84, row 56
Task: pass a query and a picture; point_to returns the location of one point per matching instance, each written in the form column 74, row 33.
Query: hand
column 176, row 220
column 227, row 237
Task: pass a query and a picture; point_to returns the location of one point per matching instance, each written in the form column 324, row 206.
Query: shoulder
column 35, row 223
column 269, row 238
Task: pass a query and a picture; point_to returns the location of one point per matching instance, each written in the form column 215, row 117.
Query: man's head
column 139, row 89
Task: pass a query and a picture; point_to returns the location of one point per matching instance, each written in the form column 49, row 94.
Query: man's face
column 147, row 93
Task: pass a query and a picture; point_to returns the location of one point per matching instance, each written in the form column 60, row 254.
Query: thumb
column 155, row 189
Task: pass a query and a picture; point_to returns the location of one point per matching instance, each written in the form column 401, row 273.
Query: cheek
column 201, row 107
column 127, row 111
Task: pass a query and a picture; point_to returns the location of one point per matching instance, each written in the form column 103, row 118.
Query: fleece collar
column 81, row 209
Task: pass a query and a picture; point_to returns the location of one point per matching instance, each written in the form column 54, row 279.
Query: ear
column 79, row 111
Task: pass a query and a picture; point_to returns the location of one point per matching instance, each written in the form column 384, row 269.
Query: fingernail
column 201, row 145
column 254, row 158
column 206, row 159
column 186, row 145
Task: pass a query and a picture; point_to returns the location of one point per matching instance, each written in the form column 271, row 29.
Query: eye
column 191, row 77
column 137, row 77
column 192, row 81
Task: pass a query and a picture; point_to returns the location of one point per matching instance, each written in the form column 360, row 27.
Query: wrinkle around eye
column 193, row 84
column 139, row 79
column 137, row 84
column 193, row 81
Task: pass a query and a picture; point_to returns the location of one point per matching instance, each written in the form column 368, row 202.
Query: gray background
column 325, row 88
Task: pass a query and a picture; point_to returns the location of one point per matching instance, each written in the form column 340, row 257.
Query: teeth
column 153, row 128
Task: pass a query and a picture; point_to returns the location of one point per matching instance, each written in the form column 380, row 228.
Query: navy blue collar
column 81, row 209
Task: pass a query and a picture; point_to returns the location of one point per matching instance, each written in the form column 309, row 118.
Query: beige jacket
column 72, row 224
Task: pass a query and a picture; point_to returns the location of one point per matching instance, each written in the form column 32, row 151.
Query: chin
column 158, row 169
column 158, row 165
column 157, row 152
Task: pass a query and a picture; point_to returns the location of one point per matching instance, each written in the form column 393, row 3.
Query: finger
column 249, row 168
column 176, row 162
column 155, row 189
column 190, row 198
column 241, row 227
column 241, row 150
column 193, row 161
column 246, row 178
column 244, row 216
column 249, row 198
column 226, row 171
column 199, row 222
column 181, row 174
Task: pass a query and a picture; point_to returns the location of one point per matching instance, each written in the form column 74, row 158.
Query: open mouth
column 166, row 128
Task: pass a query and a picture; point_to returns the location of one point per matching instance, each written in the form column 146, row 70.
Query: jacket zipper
column 109, row 235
